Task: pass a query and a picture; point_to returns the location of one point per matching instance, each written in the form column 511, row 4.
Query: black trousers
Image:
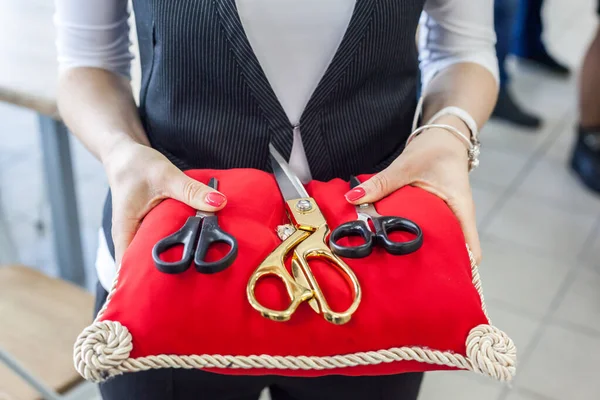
column 180, row 384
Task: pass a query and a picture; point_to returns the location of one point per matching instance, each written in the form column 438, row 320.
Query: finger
column 193, row 193
column 378, row 186
column 123, row 232
column 464, row 209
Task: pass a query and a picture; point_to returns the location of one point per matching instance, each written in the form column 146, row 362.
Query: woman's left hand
column 436, row 161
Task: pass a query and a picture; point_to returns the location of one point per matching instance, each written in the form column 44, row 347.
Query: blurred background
column 540, row 226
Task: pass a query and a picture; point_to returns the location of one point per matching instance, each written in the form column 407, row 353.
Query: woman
column 332, row 84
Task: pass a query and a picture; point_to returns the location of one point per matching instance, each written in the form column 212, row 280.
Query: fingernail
column 215, row 199
column 355, row 194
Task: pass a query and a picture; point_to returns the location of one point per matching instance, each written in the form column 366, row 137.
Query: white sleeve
column 93, row 33
column 455, row 31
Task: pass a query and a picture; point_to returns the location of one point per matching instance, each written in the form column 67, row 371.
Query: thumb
column 464, row 209
column 193, row 193
column 378, row 186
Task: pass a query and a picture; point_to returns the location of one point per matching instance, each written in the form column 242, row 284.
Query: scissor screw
column 304, row 205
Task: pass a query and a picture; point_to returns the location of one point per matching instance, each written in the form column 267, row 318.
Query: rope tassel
column 101, row 349
column 492, row 352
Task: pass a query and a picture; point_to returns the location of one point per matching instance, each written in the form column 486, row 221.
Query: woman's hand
column 140, row 178
column 436, row 161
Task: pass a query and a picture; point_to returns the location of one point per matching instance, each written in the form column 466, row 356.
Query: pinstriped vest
column 206, row 103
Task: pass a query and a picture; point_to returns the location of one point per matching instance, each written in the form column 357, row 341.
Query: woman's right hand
column 140, row 178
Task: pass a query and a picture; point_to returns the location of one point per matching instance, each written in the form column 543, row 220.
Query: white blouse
column 294, row 41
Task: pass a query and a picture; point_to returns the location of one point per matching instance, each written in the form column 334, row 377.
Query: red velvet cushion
column 425, row 299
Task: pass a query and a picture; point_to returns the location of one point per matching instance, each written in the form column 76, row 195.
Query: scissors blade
column 289, row 185
column 204, row 214
column 300, row 278
column 354, row 182
column 213, row 183
column 365, row 210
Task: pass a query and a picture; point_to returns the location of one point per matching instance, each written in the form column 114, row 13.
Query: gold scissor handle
column 315, row 247
column 274, row 265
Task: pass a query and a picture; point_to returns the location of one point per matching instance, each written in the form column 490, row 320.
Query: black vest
column 206, row 103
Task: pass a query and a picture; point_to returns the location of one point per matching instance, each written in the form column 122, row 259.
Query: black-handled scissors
column 196, row 235
column 384, row 226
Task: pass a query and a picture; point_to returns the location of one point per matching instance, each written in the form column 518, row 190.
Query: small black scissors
column 384, row 225
column 199, row 232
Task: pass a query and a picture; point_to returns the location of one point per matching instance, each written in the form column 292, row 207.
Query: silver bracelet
column 461, row 114
column 472, row 146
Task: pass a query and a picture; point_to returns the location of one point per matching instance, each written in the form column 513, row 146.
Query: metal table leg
column 60, row 187
column 8, row 249
column 45, row 391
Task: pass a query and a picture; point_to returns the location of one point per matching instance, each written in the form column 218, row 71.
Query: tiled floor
column 540, row 230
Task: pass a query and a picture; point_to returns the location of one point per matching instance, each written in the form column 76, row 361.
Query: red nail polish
column 215, row 199
column 355, row 194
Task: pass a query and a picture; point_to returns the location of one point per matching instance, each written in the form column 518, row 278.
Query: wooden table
column 28, row 78
column 40, row 318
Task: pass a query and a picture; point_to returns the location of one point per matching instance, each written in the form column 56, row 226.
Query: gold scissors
column 307, row 242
